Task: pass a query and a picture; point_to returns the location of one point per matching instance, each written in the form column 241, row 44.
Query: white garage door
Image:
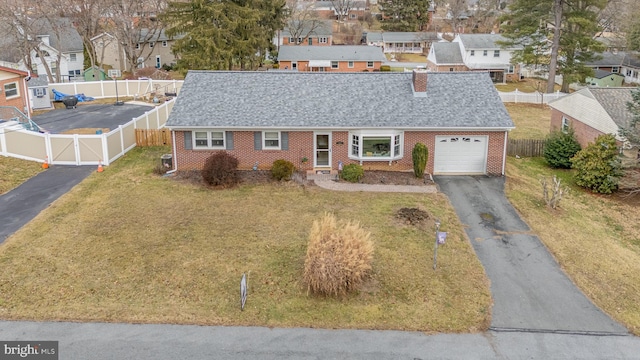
column 461, row 154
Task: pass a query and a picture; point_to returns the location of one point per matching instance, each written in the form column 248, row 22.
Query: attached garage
column 461, row 154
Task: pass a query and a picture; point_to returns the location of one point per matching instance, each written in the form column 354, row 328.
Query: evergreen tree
column 405, row 15
column 556, row 33
column 632, row 131
column 222, row 35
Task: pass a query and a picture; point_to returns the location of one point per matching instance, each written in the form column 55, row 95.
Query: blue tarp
column 58, row 96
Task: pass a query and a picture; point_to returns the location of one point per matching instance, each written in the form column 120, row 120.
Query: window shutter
column 257, row 140
column 284, row 137
column 228, row 140
column 188, row 145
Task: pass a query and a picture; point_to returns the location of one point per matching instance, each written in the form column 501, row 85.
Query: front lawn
column 129, row 246
column 532, row 121
column 14, row 172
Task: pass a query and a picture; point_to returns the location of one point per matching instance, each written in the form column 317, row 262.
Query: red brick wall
column 301, row 145
column 585, row 134
column 20, row 101
column 315, row 41
column 343, row 66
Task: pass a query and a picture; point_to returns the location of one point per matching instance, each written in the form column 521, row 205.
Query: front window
column 350, row 64
column 615, row 69
column 496, row 53
column 334, row 64
column 376, row 146
column 565, row 124
column 271, row 140
column 138, row 46
column 208, row 140
column 11, row 90
column 369, row 64
column 152, row 44
column 291, row 41
column 511, row 69
column 484, row 53
column 472, row 52
column 73, row 57
column 322, row 40
column 164, row 43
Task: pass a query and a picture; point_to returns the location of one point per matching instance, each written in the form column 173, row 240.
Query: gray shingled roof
column 393, row 36
column 305, row 100
column 156, row 35
column 320, row 28
column 447, row 53
column 482, row 41
column 607, row 59
column 614, row 102
column 38, row 81
column 62, row 35
column 333, row 53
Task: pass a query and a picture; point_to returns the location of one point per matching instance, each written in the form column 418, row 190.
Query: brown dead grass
column 14, row 172
column 129, row 246
column 532, row 121
column 527, row 85
column 595, row 238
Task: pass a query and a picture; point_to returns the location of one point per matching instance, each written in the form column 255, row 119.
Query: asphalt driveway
column 20, row 205
column 530, row 291
column 89, row 116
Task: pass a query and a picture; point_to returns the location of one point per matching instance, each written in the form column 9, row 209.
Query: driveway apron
column 530, row 291
column 20, row 205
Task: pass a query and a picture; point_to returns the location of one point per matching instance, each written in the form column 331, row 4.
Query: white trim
column 459, row 159
column 17, row 89
column 504, row 151
column 209, row 139
column 361, row 134
column 264, row 140
column 315, row 148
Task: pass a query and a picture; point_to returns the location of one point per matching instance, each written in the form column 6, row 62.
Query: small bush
column 339, row 256
column 560, row 147
column 420, row 155
column 385, row 68
column 352, row 173
column 221, row 169
column 160, row 169
column 598, row 166
column 282, row 169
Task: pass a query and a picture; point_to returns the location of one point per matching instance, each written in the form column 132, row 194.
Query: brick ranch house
column 592, row 112
column 13, row 89
column 319, row 120
column 338, row 58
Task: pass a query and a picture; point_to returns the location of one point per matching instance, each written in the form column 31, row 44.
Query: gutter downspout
column 504, row 154
column 173, row 150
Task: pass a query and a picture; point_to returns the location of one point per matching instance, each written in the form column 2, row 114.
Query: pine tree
column 405, row 15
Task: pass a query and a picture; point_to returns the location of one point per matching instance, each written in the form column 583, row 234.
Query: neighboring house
column 605, row 78
column 592, row 112
column 335, row 119
column 355, row 9
column 624, row 63
column 445, row 56
column 13, row 89
column 402, row 42
column 482, row 52
column 154, row 51
column 343, row 58
column 39, row 96
column 313, row 32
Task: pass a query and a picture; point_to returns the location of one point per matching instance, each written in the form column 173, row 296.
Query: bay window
column 375, row 145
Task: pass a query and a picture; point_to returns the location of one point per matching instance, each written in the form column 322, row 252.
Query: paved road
column 20, row 205
column 170, row 342
column 530, row 291
column 89, row 116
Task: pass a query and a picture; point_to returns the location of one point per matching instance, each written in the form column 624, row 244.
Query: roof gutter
column 314, row 128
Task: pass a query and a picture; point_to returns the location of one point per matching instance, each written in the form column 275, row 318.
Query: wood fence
column 153, row 137
column 526, row 147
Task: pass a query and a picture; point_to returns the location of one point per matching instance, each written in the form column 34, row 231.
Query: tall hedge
column 560, row 147
column 420, row 155
column 598, row 167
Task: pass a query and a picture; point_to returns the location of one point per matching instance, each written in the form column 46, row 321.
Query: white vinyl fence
column 114, row 88
column 75, row 149
column 532, row 98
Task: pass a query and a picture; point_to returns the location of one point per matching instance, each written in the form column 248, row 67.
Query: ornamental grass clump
column 339, row 256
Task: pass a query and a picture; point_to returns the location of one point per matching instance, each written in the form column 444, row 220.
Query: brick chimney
column 420, row 80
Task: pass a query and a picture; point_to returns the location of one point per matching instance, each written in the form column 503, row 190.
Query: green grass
column 127, row 245
column 532, row 121
column 595, row 238
column 14, row 172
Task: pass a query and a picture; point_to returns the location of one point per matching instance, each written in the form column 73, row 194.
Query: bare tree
column 457, row 15
column 342, row 8
column 303, row 20
column 87, row 17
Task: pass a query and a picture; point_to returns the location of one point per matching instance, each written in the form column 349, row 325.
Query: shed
column 39, row 96
column 94, row 73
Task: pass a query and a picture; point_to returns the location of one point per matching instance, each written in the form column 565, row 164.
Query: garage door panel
column 461, row 154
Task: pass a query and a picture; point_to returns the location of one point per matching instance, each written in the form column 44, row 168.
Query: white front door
column 463, row 154
column 322, row 148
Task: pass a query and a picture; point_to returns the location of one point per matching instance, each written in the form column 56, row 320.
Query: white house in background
column 482, row 52
column 402, row 42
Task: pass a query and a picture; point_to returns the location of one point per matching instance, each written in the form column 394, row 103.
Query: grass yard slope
column 595, row 238
column 14, row 172
column 129, row 246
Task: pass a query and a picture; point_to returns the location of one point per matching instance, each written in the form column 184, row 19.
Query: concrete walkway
column 341, row 186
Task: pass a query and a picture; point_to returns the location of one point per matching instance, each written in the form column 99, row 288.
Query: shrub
column 560, row 147
column 221, row 169
column 597, row 166
column 339, row 256
column 420, row 155
column 385, row 68
column 352, row 173
column 282, row 169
